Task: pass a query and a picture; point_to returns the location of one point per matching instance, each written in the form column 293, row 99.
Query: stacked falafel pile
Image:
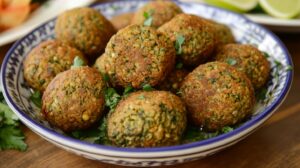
column 194, row 72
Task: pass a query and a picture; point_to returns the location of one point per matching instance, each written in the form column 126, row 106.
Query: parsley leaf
column 128, row 90
column 289, row 68
column 36, row 98
column 78, row 62
column 147, row 87
column 8, row 116
column 11, row 136
column 193, row 134
column 179, row 41
column 179, row 65
column 112, row 98
column 231, row 61
column 148, row 18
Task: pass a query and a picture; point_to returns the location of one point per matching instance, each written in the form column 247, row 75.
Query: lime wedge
column 281, row 8
column 234, row 5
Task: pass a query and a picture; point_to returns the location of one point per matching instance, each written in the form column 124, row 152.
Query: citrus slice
column 234, row 5
column 282, row 9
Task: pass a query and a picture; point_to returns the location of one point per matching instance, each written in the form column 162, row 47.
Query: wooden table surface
column 275, row 144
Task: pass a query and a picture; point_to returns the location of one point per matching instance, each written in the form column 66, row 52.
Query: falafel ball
column 217, row 95
column 173, row 81
column 46, row 60
column 122, row 20
column 198, row 34
column 74, row 99
column 159, row 11
column 139, row 55
column 223, row 33
column 247, row 59
column 147, row 119
column 86, row 29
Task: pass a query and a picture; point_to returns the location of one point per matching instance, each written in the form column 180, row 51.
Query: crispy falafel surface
column 46, row 60
column 147, row 119
column 217, row 95
column 139, row 55
column 74, row 99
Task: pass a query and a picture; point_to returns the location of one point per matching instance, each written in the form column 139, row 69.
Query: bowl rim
column 85, row 146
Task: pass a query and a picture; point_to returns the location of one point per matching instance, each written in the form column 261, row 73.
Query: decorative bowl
column 17, row 92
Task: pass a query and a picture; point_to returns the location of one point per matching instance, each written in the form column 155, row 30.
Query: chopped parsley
column 231, row 61
column 78, row 62
column 112, row 98
column 179, row 65
column 36, row 98
column 179, row 41
column 148, row 18
column 11, row 135
column 289, row 68
column 128, row 90
column 93, row 135
column 147, row 87
column 194, row 134
column 106, row 77
column 261, row 94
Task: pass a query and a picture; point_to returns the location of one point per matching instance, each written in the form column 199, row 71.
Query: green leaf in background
column 8, row 116
column 11, row 136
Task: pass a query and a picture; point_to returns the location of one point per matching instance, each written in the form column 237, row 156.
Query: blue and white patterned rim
column 85, row 145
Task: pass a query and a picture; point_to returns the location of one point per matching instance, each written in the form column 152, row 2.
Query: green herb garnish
column 179, row 65
column 94, row 135
column 78, row 62
column 148, row 18
column 36, row 98
column 231, row 61
column 194, row 134
column 289, row 68
column 147, row 87
column 266, row 55
column 261, row 94
column 179, row 41
column 11, row 135
column 128, row 90
column 112, row 98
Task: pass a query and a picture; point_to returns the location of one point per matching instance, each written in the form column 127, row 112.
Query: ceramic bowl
column 17, row 92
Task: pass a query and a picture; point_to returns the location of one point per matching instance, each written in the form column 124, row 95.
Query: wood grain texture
column 275, row 144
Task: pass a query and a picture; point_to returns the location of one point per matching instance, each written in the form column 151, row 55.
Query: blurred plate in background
column 275, row 24
column 48, row 10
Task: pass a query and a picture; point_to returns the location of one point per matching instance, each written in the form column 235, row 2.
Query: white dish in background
column 275, row 24
column 17, row 92
column 48, row 10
